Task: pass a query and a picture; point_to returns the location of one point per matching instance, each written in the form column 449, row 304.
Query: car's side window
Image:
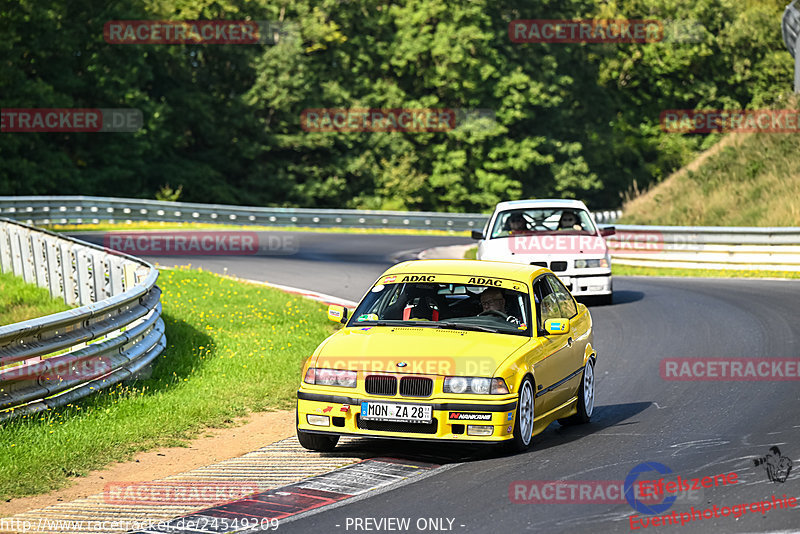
column 565, row 301
column 546, row 303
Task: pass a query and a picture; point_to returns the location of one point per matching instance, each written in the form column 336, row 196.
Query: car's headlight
column 476, row 385
column 587, row 264
column 331, row 377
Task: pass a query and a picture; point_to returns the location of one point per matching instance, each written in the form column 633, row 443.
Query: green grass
column 748, row 180
column 233, row 348
column 20, row 301
column 146, row 225
column 471, row 253
column 631, row 270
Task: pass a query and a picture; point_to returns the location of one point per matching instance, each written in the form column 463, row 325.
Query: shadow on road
column 604, row 417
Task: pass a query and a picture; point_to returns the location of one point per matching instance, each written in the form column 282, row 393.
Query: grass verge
column 232, row 348
column 632, row 270
column 749, row 180
column 146, row 225
column 20, row 301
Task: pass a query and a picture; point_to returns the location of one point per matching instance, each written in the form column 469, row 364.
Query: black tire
column 585, row 398
column 523, row 433
column 317, row 442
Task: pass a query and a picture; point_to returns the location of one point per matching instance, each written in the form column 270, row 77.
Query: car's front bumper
column 581, row 285
column 344, row 415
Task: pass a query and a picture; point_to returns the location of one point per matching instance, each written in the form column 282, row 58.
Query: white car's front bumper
column 587, row 284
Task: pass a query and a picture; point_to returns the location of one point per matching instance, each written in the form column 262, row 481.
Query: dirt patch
column 217, row 444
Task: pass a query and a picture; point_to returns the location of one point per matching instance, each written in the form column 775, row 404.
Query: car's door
column 577, row 338
column 550, row 357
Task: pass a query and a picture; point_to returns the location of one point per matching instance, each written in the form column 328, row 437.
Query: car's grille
column 391, row 426
column 414, row 386
column 558, row 266
column 381, row 385
column 539, row 263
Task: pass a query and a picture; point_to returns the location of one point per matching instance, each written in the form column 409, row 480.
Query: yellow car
column 451, row 350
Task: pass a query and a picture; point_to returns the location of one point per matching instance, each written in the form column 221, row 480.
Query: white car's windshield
column 446, row 305
column 542, row 220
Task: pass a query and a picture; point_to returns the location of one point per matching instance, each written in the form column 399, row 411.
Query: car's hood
column 422, row 350
column 551, row 247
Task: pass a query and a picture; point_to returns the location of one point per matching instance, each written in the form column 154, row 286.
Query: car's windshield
column 486, row 305
column 542, row 220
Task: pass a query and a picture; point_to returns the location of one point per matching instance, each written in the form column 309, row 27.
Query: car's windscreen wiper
column 463, row 326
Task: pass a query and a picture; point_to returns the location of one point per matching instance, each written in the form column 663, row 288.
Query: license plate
column 408, row 413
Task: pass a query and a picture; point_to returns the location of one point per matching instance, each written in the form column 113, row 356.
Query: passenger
column 569, row 221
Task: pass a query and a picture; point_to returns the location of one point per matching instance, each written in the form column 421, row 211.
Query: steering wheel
column 497, row 313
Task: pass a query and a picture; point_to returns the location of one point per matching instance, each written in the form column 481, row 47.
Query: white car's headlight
column 475, row 385
column 331, row 377
column 588, row 264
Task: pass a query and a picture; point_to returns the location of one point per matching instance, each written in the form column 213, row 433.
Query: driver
column 517, row 224
column 492, row 299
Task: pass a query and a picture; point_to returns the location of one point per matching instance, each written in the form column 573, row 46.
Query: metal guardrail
column 709, row 247
column 113, row 334
column 80, row 209
column 775, row 249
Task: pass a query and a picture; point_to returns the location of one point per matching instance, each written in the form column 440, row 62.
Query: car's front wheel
column 523, row 424
column 585, row 398
column 317, row 442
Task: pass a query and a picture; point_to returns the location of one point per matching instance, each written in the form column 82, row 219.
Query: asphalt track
column 697, row 429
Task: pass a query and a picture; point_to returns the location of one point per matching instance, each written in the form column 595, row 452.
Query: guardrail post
column 115, row 275
column 54, row 273
column 83, row 277
column 98, row 277
column 5, row 248
column 68, row 278
column 39, row 263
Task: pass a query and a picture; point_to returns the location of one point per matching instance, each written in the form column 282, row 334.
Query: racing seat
column 421, row 308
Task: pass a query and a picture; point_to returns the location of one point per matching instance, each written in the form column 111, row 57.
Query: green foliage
column 167, row 194
column 571, row 120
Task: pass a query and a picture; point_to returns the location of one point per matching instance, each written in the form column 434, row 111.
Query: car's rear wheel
column 317, row 442
column 585, row 397
column 523, row 423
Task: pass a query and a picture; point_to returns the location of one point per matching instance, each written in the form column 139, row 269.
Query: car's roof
column 541, row 203
column 496, row 269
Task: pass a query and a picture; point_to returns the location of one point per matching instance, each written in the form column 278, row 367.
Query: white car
column 558, row 234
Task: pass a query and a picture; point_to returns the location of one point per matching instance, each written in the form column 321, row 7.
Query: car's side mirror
column 556, row 326
column 477, row 235
column 337, row 314
column 607, row 231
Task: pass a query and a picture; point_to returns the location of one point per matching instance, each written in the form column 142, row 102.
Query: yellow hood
column 422, row 350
